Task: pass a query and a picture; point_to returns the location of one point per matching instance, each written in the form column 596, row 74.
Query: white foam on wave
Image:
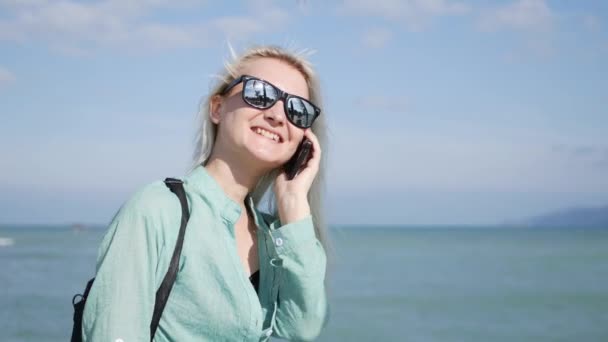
column 5, row 242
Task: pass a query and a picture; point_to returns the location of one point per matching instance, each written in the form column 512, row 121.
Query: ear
column 215, row 105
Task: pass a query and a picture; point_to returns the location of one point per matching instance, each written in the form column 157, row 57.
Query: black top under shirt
column 255, row 280
column 255, row 277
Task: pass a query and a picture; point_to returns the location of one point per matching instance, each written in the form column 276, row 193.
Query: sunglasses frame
column 282, row 96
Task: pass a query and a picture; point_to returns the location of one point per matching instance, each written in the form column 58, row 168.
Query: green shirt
column 212, row 298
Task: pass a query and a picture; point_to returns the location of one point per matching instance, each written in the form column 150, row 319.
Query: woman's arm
column 121, row 301
column 302, row 302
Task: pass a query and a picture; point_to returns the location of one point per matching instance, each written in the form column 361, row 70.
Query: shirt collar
column 203, row 184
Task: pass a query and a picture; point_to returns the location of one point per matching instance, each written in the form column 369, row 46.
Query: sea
column 386, row 283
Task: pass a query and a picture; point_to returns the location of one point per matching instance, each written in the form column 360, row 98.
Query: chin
column 266, row 151
column 265, row 156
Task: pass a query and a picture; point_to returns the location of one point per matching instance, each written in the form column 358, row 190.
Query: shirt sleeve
column 302, row 308
column 121, row 301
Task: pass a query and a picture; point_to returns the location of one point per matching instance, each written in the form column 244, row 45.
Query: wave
column 5, row 242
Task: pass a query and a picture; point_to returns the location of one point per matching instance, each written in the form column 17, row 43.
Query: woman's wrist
column 292, row 207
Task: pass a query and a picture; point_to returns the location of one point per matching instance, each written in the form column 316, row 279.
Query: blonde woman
column 244, row 274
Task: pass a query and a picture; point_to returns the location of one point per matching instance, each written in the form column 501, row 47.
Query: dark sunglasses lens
column 259, row 94
column 300, row 112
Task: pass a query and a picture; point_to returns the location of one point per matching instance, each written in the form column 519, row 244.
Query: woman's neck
column 236, row 182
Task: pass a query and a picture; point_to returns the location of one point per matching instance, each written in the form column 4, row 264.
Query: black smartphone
column 299, row 158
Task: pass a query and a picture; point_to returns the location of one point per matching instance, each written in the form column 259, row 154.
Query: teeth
column 267, row 134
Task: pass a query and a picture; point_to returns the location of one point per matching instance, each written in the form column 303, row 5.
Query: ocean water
column 386, row 283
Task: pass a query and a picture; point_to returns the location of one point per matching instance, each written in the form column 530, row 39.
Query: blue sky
column 441, row 112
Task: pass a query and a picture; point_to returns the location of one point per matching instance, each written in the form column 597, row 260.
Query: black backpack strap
column 162, row 294
column 78, row 301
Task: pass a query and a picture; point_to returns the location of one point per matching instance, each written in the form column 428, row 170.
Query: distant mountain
column 572, row 217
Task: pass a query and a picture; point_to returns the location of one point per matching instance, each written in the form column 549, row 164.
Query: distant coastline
column 70, row 226
column 575, row 217
column 579, row 217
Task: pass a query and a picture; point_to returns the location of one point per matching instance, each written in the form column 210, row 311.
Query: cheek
column 297, row 134
column 292, row 149
column 296, row 138
column 233, row 121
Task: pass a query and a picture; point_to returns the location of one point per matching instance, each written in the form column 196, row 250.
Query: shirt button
column 278, row 242
column 276, row 262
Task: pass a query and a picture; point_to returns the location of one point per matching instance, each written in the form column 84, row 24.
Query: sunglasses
column 262, row 94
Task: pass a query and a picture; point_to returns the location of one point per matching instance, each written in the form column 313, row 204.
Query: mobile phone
column 299, row 158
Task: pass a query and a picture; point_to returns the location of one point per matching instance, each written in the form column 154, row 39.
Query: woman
column 245, row 138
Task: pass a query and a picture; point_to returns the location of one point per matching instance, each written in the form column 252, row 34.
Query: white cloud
column 416, row 13
column 521, row 15
column 70, row 25
column 376, row 38
column 78, row 27
column 6, row 76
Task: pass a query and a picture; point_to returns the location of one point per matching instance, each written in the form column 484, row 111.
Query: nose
column 275, row 114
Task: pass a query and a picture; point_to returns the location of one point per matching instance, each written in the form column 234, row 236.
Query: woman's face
column 239, row 122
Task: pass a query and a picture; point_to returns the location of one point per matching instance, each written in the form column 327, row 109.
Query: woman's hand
column 292, row 194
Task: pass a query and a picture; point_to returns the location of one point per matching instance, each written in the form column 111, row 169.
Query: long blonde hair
column 205, row 136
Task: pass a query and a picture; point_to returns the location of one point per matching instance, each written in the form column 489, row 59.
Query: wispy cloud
column 533, row 20
column 78, row 27
column 382, row 103
column 591, row 22
column 398, row 158
column 594, row 155
column 415, row 13
column 6, row 76
column 235, row 27
column 521, row 15
column 376, row 38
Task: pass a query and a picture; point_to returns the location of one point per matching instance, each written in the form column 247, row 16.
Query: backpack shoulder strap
column 162, row 294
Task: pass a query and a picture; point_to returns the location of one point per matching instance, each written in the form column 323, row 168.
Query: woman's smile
column 268, row 135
